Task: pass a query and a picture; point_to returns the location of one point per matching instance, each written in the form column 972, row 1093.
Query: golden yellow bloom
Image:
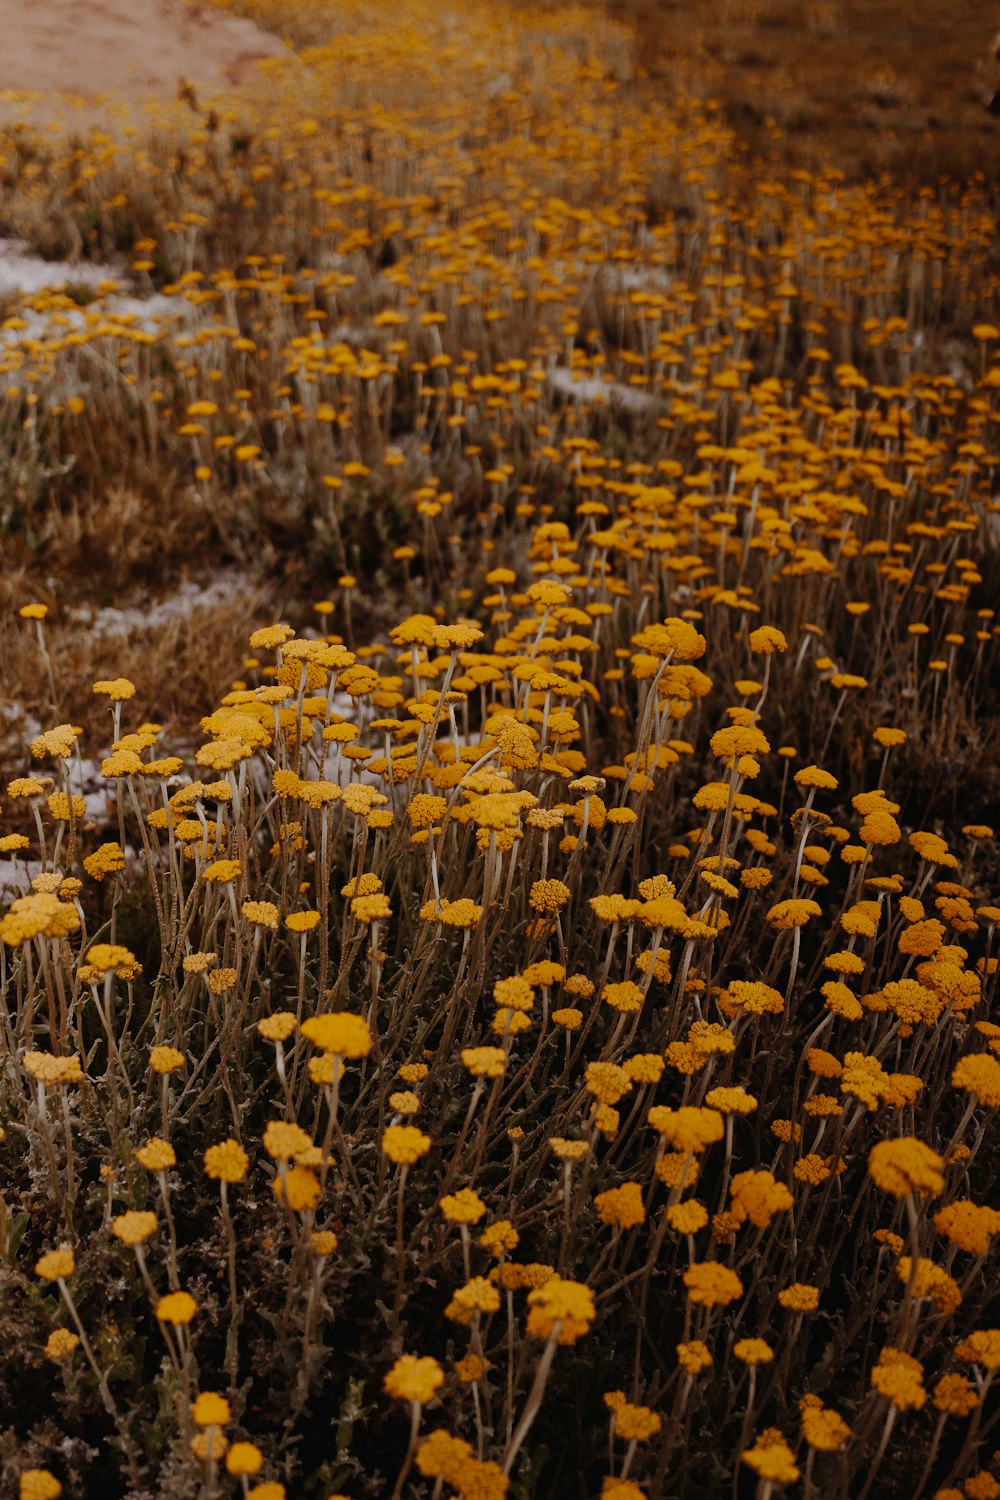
column 753, row 1351
column 107, row 958
column 244, row 1458
column 277, row 1027
column 60, row 1344
column 298, row 1187
column 955, row 1395
column 177, row 1308
column 283, row 1140
column 56, row 1265
column 156, row 1155
column 261, row 914
column 50, row 1071
column 38, row 1484
column 906, row 1166
column 302, row 921
column 134, row 1227
column 898, row 1376
column 340, row 1033
column 712, row 1284
column 621, row 1206
column 624, row 996
column 476, row 1296
column 757, row 1196
column 979, row 1073
column 405, row 1144
column 687, row 1217
column 484, row 1062
column 772, row 1458
column 981, row 1348
column 689, row 1129
column 164, row 1060
column 226, row 1162
column 413, row 1379
column 562, row 1308
column 822, row 1428
column 799, row 1297
column 210, row 1410
column 629, row 1422
column 463, row 1207
column 548, row 895
column 694, row 1357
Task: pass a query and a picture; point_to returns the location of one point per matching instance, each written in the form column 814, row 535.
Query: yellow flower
column 277, row 1027
column 980, row 1075
column 794, row 912
column 210, row 1410
column 244, row 1458
column 694, row 1356
column 261, row 914
column 302, row 921
column 712, row 1284
column 688, row 1129
column 930, row 1280
column 548, row 895
column 60, row 1344
column 624, row 996
column 463, row 1207
column 562, row 1308
column 298, row 1187
column 165, row 1060
column 968, row 1226
column 822, row 1428
column 38, row 1484
column 772, row 1458
column 955, row 1395
column 227, row 1162
column 413, row 1379
column 757, row 1196
column 898, row 1376
column 156, row 1155
column 374, row 908
column 177, row 1308
column 981, row 1348
column 766, row 639
column 405, row 1144
column 476, row 1296
column 906, row 1166
column 56, row 1265
column 484, row 1062
column 621, row 1206
column 118, row 689
column 629, row 1422
column 499, row 1237
column 753, row 1351
column 339, row 1032
column 799, row 1297
column 282, row 1140
column 134, row 1227
column 50, row 1071
column 107, row 958
column 687, row 1217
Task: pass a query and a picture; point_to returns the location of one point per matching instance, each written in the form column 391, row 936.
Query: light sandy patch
column 129, row 50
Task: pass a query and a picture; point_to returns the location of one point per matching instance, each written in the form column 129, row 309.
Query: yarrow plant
column 531, row 1031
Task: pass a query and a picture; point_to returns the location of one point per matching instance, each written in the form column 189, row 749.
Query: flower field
column 506, row 1006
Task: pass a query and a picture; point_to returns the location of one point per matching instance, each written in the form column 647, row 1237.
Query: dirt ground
column 124, row 49
column 866, row 85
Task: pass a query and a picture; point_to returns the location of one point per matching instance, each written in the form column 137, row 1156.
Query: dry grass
column 873, row 88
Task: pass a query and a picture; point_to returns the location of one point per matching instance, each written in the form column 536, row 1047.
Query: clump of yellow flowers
column 533, row 1028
